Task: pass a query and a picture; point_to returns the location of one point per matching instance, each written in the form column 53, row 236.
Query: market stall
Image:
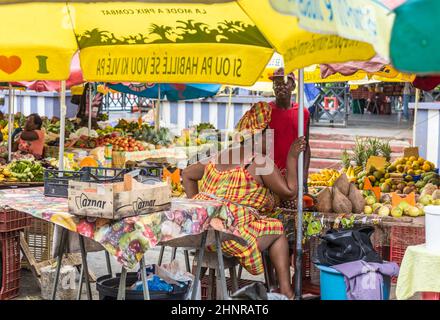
column 129, row 238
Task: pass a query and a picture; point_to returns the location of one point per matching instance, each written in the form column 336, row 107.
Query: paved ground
column 29, row 288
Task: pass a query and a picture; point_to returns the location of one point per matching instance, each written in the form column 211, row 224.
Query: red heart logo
column 10, row 64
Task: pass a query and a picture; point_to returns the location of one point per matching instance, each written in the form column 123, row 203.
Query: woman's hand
column 298, row 146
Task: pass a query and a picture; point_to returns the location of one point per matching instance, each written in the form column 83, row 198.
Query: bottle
column 108, row 151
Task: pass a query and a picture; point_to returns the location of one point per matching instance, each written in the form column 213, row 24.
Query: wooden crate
column 39, row 238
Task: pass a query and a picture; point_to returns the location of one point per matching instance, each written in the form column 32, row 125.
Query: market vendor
column 247, row 186
column 31, row 139
column 284, row 122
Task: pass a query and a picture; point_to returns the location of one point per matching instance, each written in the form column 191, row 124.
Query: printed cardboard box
column 117, row 200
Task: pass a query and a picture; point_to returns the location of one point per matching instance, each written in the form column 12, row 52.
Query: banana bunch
column 325, row 177
column 352, row 173
column 5, row 133
column 177, row 189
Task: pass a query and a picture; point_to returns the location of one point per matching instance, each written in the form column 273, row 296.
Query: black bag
column 347, row 245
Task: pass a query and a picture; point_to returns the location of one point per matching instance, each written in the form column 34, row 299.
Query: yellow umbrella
column 160, row 42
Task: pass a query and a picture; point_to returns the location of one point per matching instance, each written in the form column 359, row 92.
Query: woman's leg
column 279, row 255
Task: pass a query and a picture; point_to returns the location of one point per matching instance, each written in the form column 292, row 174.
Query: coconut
column 340, row 203
column 385, row 198
column 356, row 198
column 343, row 184
column 324, row 200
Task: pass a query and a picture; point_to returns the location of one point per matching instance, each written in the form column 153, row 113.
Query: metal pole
column 157, row 115
column 299, row 234
column 62, row 124
column 89, row 126
column 228, row 111
column 10, row 122
column 416, row 105
column 146, row 291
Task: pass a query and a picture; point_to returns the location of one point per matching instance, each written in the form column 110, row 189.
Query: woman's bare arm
column 190, row 177
column 285, row 187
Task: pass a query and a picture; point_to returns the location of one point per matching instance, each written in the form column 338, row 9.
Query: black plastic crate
column 56, row 182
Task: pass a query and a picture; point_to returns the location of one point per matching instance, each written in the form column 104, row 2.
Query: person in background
column 284, row 122
column 31, row 139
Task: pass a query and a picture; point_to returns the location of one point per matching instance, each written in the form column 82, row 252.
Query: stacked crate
column 11, row 223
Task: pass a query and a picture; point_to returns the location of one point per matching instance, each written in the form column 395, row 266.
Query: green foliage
column 188, row 31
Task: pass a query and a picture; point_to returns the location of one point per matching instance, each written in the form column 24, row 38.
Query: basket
column 11, row 220
column 9, row 265
column 56, row 182
column 51, row 151
column 39, row 240
column 204, row 283
column 400, row 239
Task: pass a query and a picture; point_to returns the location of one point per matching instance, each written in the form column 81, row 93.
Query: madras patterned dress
column 244, row 196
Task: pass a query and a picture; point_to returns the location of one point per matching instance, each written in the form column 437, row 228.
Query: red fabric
column 284, row 122
column 427, row 83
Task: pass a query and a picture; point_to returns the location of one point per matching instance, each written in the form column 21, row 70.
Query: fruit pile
column 126, row 144
column 161, row 138
column 411, row 166
column 325, row 177
column 22, row 171
column 430, row 196
column 400, row 178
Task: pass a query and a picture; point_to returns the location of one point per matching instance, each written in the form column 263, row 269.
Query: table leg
column 109, row 265
column 162, row 250
column 81, row 280
column 61, row 250
column 144, row 280
column 221, row 266
column 173, row 254
column 122, row 284
column 85, row 268
column 199, row 266
column 188, row 267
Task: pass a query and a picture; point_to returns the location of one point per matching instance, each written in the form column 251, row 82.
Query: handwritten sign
column 377, row 162
column 411, row 152
column 396, row 199
column 368, row 186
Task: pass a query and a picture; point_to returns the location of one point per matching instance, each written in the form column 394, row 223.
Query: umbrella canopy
column 402, row 31
column 164, row 42
column 172, row 91
column 75, row 78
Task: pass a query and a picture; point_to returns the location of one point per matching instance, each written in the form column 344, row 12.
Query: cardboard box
column 117, row 200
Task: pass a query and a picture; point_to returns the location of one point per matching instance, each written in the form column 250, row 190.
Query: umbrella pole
column 299, row 233
column 11, row 122
column 90, row 109
column 228, row 111
column 416, row 105
column 62, row 124
column 157, row 114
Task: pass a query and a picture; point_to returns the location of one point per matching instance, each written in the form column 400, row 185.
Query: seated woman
column 247, row 191
column 31, row 139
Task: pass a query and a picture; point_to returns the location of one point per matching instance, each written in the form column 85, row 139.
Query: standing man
column 284, row 122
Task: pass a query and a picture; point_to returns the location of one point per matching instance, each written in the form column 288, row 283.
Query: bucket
column 432, row 226
column 333, row 285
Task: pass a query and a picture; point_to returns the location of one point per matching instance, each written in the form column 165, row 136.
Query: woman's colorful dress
column 245, row 197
